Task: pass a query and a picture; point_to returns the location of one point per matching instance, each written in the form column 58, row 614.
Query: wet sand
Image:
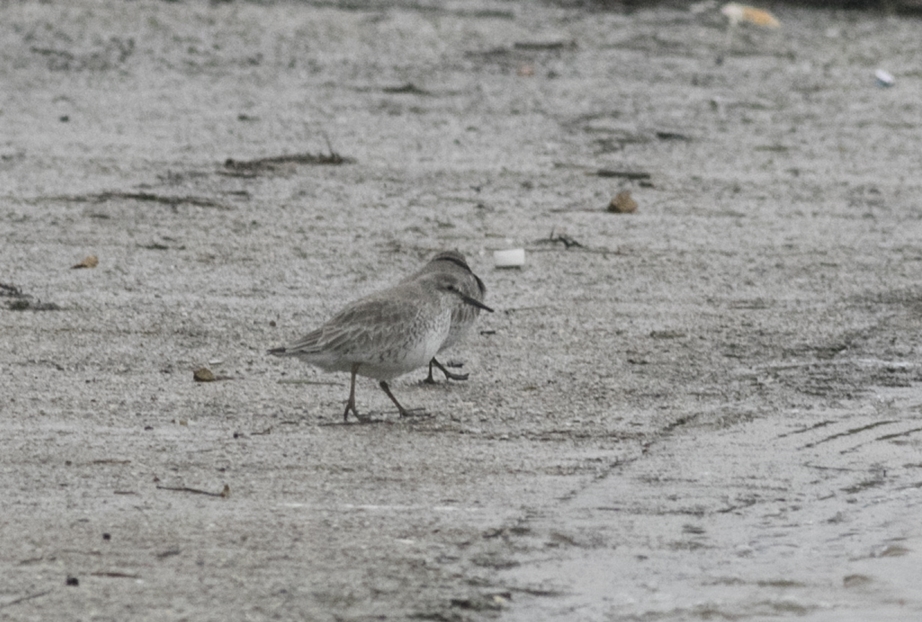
column 705, row 409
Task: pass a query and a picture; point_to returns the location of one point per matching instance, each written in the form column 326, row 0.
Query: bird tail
column 308, row 344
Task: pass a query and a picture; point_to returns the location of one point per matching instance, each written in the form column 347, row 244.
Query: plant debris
column 22, row 599
column 636, row 175
column 561, row 238
column 736, row 13
column 115, row 575
column 24, row 302
column 409, row 89
column 172, row 201
column 277, row 162
column 90, row 261
column 664, row 135
column 11, row 291
column 250, row 168
column 543, row 45
column 155, row 246
column 224, row 494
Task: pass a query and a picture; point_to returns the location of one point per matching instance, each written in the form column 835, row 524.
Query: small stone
column 623, row 203
column 203, row 374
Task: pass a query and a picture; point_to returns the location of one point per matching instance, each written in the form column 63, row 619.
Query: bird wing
column 367, row 326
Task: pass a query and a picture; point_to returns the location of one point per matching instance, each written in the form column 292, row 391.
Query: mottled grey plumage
column 463, row 315
column 386, row 334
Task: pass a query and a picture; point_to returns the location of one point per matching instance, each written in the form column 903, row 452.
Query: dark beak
column 475, row 303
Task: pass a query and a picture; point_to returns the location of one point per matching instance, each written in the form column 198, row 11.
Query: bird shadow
column 412, row 415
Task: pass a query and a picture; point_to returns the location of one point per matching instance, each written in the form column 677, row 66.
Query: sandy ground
column 708, row 409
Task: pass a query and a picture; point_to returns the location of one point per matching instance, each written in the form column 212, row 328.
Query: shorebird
column 463, row 315
column 386, row 334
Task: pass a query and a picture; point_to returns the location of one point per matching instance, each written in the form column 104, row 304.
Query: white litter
column 513, row 258
column 884, row 78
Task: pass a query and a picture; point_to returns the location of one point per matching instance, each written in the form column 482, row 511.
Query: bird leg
column 403, row 411
column 387, row 389
column 448, row 374
column 350, row 405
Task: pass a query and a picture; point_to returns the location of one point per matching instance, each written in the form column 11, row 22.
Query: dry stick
column 24, row 598
column 331, row 383
column 172, row 201
column 159, row 198
column 326, row 137
column 635, row 175
column 301, row 158
column 563, row 238
column 223, row 493
column 115, row 575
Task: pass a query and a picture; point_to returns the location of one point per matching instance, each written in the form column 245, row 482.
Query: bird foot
column 448, row 374
column 452, row 376
column 350, row 407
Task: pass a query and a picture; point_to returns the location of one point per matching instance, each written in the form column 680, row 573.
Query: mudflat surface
column 706, row 409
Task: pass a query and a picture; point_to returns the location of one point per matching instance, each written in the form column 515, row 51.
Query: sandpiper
column 386, row 334
column 463, row 315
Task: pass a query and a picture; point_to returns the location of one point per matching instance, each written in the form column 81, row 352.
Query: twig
column 605, row 172
column 405, row 89
column 115, row 575
column 237, row 167
column 543, row 45
column 172, row 201
column 563, row 238
column 516, row 309
column 331, row 383
column 24, row 598
column 224, row 493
